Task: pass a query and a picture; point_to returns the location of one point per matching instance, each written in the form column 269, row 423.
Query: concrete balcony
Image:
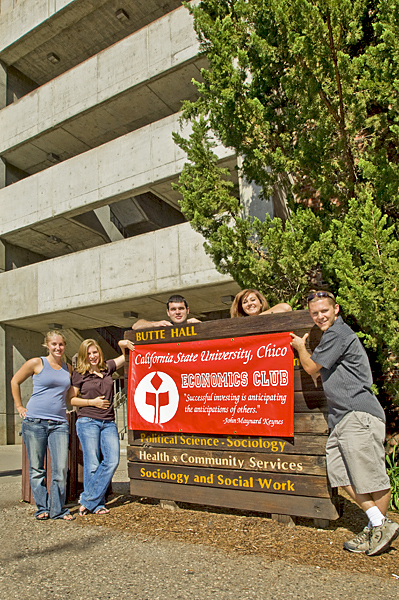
column 93, row 288
column 73, row 30
column 141, row 79
column 22, row 19
column 37, row 208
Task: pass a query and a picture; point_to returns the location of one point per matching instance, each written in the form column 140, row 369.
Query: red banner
column 242, row 386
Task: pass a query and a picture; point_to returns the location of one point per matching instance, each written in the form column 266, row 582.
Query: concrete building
column 91, row 233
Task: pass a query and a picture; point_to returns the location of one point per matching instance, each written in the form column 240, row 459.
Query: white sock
column 375, row 516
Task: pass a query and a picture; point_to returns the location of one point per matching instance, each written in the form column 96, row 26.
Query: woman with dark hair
column 45, row 425
column 93, row 388
column 251, row 303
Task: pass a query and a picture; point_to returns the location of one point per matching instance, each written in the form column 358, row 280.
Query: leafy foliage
column 306, row 92
column 365, row 264
column 393, row 474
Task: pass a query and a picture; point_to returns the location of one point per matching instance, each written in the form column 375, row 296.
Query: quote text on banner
column 242, row 386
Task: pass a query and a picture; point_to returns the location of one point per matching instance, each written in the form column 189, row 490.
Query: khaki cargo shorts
column 356, row 455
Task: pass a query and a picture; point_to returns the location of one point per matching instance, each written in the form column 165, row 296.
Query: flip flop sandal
column 68, row 517
column 43, row 516
column 83, row 511
column 101, row 511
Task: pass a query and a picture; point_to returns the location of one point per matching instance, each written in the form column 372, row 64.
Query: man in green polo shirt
column 355, row 447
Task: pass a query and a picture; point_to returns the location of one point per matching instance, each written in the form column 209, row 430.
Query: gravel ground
column 93, row 558
column 251, row 534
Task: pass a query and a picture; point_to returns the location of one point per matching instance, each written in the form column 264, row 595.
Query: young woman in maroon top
column 96, row 428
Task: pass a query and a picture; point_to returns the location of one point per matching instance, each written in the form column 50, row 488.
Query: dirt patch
column 252, row 533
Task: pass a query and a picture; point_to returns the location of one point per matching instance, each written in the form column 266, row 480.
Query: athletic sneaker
column 381, row 537
column 360, row 543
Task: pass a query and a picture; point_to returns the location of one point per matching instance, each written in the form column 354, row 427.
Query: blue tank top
column 48, row 399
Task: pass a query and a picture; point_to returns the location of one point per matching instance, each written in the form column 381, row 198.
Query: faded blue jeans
column 100, row 445
column 37, row 435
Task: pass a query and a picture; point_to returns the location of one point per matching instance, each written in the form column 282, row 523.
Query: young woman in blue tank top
column 45, row 425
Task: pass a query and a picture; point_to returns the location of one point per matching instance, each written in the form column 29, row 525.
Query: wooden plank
column 244, row 461
column 321, row 523
column 27, row 495
column 310, row 401
column 301, row 444
column 301, row 506
column 284, row 520
column 298, row 321
column 304, row 382
column 169, row 505
column 277, row 483
column 311, row 423
column 73, row 488
column 307, row 444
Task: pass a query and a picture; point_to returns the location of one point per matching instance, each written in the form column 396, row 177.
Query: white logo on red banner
column 156, row 397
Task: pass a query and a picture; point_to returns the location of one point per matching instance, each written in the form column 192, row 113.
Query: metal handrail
column 120, row 404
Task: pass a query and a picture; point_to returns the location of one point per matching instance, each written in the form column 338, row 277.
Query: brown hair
column 176, row 298
column 236, row 309
column 82, row 363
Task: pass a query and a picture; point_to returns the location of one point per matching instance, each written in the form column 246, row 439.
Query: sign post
column 221, row 413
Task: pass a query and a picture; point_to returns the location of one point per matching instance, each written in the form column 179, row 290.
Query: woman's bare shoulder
column 278, row 308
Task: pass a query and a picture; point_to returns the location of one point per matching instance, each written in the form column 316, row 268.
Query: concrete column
column 2, row 257
column 103, row 214
column 3, row 171
column 252, row 205
column 16, row 257
column 13, row 85
column 3, row 104
column 18, row 85
column 16, row 347
column 3, row 387
column 3, row 85
column 6, row 5
column 13, row 257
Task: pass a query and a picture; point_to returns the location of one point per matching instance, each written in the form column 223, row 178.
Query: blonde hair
column 51, row 334
column 82, row 363
column 237, row 310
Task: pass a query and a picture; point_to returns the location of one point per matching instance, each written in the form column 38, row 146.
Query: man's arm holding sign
column 310, row 366
column 143, row 324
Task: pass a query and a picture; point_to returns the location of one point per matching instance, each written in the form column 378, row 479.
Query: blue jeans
column 100, row 445
column 37, row 435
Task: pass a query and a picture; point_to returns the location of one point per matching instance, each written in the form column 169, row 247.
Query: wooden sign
column 278, row 475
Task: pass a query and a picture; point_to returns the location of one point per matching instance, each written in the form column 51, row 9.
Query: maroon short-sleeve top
column 91, row 386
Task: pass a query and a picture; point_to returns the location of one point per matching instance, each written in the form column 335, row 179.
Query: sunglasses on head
column 321, row 294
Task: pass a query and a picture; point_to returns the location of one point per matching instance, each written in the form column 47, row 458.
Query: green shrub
column 393, row 472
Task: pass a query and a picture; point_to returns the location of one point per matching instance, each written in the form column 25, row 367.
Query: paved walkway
column 54, row 560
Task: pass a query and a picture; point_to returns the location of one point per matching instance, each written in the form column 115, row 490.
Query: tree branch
column 342, row 124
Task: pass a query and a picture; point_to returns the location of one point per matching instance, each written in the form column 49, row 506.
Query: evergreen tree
column 306, row 91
